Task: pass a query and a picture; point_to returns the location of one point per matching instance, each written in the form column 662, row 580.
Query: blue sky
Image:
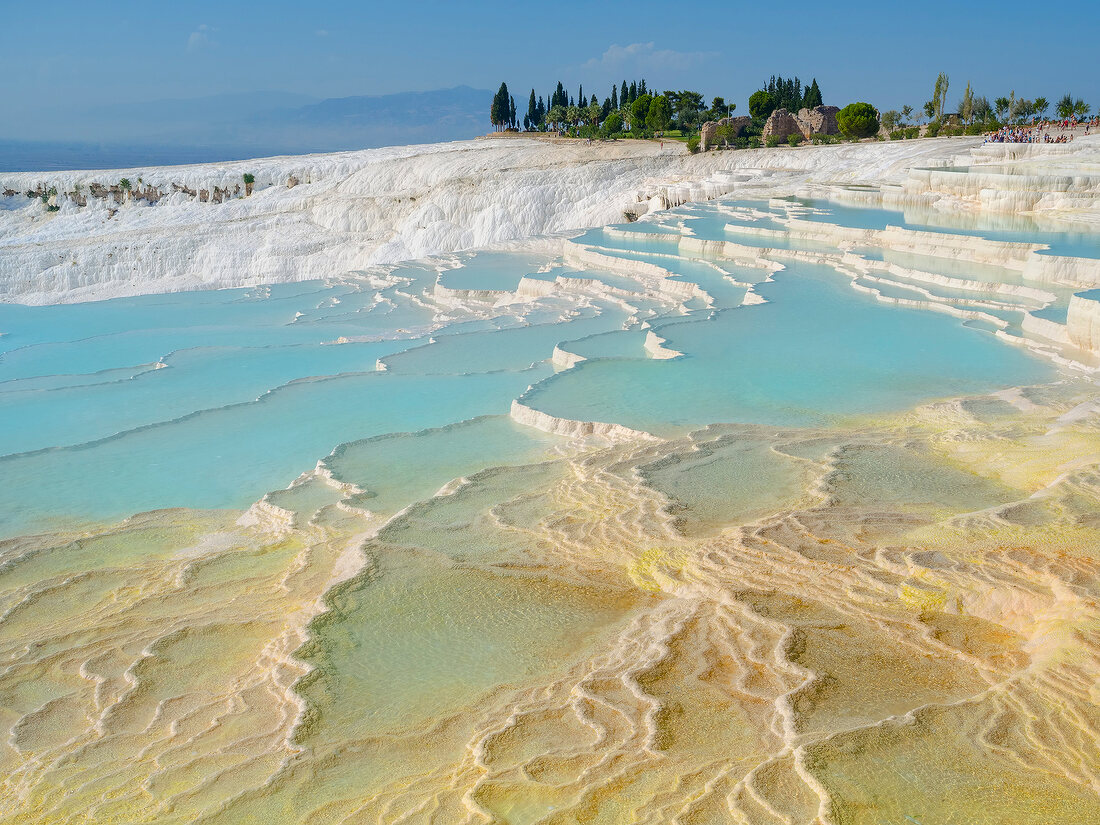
column 67, row 55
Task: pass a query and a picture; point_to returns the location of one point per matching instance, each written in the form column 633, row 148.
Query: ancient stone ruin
column 708, row 134
column 116, row 193
column 820, row 120
column 782, row 124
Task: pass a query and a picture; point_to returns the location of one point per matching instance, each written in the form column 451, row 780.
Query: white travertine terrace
column 655, row 347
column 922, row 603
column 522, row 414
column 1083, row 320
column 352, row 210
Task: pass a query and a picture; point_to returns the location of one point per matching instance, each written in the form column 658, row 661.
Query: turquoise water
column 1019, row 229
column 436, row 607
column 211, row 399
column 814, row 353
column 489, row 270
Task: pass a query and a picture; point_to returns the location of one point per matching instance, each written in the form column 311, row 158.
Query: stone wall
column 708, row 134
column 820, row 120
column 782, row 124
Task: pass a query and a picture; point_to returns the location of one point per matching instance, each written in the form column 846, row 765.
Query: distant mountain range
column 225, row 127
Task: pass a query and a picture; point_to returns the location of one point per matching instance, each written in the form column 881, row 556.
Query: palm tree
column 1041, row 105
column 1080, row 109
column 594, row 111
column 572, row 115
column 1064, row 108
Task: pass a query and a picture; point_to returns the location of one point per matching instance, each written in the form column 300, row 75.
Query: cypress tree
column 641, row 89
column 499, row 112
column 614, row 96
column 541, row 113
column 580, row 96
column 532, row 112
column 633, row 92
column 813, row 96
column 512, row 111
column 623, row 95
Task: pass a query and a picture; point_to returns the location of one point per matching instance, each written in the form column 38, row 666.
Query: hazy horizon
column 73, row 62
column 238, row 126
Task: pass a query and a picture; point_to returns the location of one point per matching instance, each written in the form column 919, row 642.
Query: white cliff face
column 352, row 210
column 1083, row 320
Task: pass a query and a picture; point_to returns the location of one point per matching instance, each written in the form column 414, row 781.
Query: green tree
column 891, row 120
column 639, row 109
column 659, row 116
column 512, row 111
column 813, row 96
column 966, row 105
column 858, row 120
column 500, row 111
column 725, row 134
column 982, row 110
column 1081, row 109
column 689, row 109
column 532, row 111
column 786, row 93
column 1064, row 107
column 559, row 98
column 906, row 113
column 124, row 184
column 1022, row 109
column 939, row 96
column 595, row 110
column 614, row 96
column 556, row 116
column 249, row 179
column 1041, row 106
column 1001, row 104
column 613, row 123
column 761, row 105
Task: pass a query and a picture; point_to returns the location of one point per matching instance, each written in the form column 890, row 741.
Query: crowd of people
column 1027, row 134
column 1043, row 131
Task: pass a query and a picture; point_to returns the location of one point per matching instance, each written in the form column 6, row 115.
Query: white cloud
column 321, row 33
column 201, row 38
column 645, row 56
